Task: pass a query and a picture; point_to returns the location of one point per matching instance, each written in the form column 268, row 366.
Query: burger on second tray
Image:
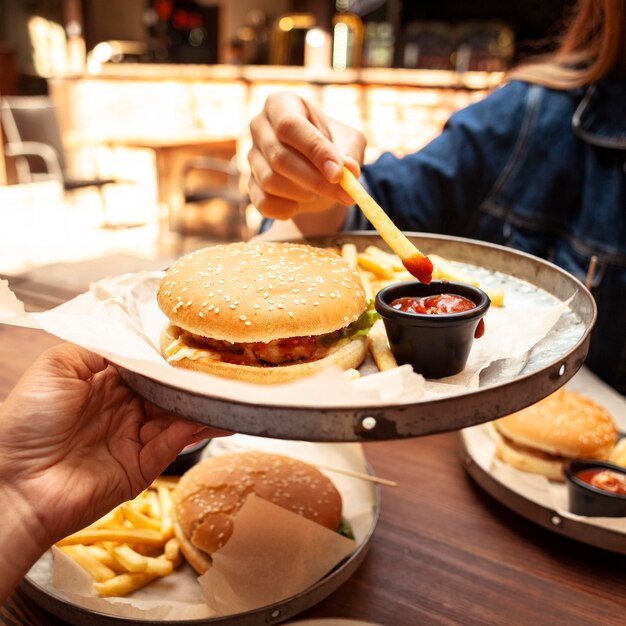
column 543, row 437
column 210, row 494
column 264, row 312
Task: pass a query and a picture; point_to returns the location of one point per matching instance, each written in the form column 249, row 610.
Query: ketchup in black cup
column 432, row 327
column 595, row 498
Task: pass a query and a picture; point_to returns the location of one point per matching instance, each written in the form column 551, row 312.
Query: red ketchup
column 437, row 305
column 604, row 479
column 419, row 266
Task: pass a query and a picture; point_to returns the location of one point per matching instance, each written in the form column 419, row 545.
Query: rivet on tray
column 369, row 423
column 556, row 520
column 275, row 613
column 562, row 369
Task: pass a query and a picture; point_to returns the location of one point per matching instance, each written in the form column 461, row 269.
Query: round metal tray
column 538, row 513
column 60, row 606
column 503, row 388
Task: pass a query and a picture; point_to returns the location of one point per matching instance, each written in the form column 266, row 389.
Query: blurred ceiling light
column 315, row 38
column 340, row 46
column 102, row 52
column 285, row 24
column 112, row 51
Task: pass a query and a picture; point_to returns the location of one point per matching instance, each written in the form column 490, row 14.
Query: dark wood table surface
column 443, row 552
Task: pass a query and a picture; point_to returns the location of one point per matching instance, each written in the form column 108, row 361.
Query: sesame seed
column 247, row 323
column 290, row 313
column 200, row 313
column 232, row 306
column 216, row 310
column 243, row 318
column 257, row 306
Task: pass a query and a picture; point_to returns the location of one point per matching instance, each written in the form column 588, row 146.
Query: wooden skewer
column 352, row 474
column 415, row 262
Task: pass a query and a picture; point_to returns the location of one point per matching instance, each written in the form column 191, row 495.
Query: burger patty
column 276, row 352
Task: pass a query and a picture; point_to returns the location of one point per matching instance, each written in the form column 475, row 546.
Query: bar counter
column 443, row 552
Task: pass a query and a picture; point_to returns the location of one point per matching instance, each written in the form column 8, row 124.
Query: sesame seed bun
column 210, row 494
column 233, row 309
column 543, row 437
column 261, row 291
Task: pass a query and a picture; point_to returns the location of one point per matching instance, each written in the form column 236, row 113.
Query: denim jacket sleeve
column 439, row 188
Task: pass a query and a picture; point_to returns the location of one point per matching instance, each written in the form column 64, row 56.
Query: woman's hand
column 75, row 441
column 297, row 158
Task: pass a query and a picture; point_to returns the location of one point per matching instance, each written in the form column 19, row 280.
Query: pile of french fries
column 378, row 268
column 132, row 545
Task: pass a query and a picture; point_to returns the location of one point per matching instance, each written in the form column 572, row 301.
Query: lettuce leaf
column 358, row 328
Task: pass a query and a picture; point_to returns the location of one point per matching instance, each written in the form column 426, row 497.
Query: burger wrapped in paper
column 208, row 497
column 263, row 312
column 543, row 437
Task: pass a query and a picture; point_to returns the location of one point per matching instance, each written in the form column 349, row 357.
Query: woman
column 538, row 165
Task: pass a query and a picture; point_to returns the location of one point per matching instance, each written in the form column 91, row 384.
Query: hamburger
column 263, row 312
column 543, row 437
column 209, row 495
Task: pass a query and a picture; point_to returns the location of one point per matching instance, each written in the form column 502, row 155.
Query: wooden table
column 443, row 551
column 171, row 154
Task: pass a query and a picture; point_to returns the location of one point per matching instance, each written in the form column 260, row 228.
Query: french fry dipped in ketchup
column 416, row 263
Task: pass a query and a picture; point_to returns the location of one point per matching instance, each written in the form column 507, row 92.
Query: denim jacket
column 540, row 170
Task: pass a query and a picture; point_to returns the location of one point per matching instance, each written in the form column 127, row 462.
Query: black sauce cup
column 434, row 345
column 585, row 499
column 186, row 459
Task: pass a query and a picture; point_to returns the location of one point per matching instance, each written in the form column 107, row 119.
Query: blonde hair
column 591, row 46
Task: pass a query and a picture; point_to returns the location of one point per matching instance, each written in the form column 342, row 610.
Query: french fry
column 172, row 550
column 378, row 267
column 349, row 253
column 103, row 555
column 127, row 557
column 394, row 238
column 367, row 285
column 126, row 535
column 379, row 348
column 496, row 296
column 97, row 570
column 133, row 514
column 167, row 507
column 123, row 584
column 159, row 566
column 151, row 502
column 444, row 270
column 389, row 259
column 352, row 374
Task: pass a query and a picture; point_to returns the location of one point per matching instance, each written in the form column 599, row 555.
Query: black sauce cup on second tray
column 589, row 500
column 435, row 345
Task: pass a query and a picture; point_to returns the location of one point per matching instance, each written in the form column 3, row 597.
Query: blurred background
column 124, row 124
